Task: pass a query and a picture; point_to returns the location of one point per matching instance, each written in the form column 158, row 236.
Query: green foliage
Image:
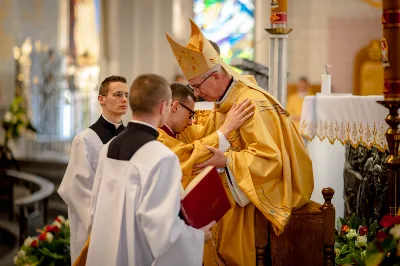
column 385, row 249
column 352, row 239
column 15, row 121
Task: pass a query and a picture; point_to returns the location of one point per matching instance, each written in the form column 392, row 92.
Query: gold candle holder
column 391, row 62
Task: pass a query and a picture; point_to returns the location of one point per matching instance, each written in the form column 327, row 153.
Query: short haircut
column 181, row 92
column 104, row 86
column 305, row 79
column 147, row 91
column 216, row 47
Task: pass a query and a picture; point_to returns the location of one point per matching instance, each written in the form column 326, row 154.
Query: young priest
column 182, row 112
column 76, row 186
column 135, row 199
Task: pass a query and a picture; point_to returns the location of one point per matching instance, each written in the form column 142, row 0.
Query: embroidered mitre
column 198, row 56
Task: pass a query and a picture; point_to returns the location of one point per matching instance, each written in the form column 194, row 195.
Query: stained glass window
column 229, row 23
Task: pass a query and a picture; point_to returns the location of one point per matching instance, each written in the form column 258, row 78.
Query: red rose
column 52, row 229
column 345, row 228
column 363, row 231
column 35, row 243
column 380, row 236
column 42, row 236
column 388, row 221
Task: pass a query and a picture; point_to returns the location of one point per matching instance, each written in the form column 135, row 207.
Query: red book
column 204, row 200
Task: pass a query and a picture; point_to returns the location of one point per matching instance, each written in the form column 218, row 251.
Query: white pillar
column 277, row 80
column 278, row 37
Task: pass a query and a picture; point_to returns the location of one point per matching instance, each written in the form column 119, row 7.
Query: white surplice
column 135, row 208
column 76, row 187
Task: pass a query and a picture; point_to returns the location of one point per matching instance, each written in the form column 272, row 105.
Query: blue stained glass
column 229, row 23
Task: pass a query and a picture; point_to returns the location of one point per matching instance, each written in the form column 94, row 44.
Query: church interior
column 333, row 65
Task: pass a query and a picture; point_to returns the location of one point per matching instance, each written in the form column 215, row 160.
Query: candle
column 390, row 51
column 279, row 13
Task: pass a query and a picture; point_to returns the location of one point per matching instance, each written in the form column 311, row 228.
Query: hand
column 236, row 116
column 217, row 160
column 207, row 231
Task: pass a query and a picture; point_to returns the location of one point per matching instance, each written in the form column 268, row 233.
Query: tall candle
column 390, row 48
column 279, row 14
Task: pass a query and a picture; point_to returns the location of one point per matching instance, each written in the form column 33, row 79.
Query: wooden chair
column 308, row 238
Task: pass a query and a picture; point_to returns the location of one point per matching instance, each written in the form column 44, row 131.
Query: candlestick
column 391, row 91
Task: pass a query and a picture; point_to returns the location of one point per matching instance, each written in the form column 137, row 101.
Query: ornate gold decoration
column 356, row 134
column 385, row 53
column 279, row 31
column 274, row 17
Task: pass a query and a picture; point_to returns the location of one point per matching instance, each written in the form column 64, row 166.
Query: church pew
column 308, row 238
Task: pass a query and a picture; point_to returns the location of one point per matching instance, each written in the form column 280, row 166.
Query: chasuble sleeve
column 265, row 161
column 191, row 153
column 158, row 214
column 76, row 187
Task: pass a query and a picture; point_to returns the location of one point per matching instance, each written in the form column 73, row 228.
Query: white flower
column 8, row 117
column 66, row 223
column 351, row 234
column 28, row 241
column 49, row 237
column 361, row 241
column 21, row 253
column 395, row 231
column 57, row 223
column 61, row 218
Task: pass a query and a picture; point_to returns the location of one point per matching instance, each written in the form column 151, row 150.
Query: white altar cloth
column 327, row 123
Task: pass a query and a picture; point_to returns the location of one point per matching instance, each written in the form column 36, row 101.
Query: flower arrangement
column 385, row 249
column 16, row 122
column 352, row 240
column 50, row 247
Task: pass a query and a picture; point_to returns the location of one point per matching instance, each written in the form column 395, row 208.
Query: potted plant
column 50, row 247
column 15, row 122
column 352, row 240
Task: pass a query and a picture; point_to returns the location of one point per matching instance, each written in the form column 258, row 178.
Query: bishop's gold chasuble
column 294, row 107
column 267, row 157
column 270, row 165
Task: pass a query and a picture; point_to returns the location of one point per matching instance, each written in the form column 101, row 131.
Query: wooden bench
column 308, row 239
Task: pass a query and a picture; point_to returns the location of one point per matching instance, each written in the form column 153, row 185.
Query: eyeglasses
column 119, row 94
column 192, row 113
column 198, row 86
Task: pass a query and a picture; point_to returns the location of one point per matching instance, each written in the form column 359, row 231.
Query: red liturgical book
column 204, row 200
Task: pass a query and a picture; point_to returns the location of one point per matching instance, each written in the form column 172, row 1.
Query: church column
column 277, row 84
column 391, row 63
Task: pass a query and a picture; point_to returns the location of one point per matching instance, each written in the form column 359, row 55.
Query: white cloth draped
column 76, row 187
column 135, row 206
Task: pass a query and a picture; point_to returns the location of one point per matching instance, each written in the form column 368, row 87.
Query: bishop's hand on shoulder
column 236, row 116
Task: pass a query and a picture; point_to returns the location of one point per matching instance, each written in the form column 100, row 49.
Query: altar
column 345, row 136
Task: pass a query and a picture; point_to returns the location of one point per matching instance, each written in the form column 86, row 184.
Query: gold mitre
column 198, row 56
